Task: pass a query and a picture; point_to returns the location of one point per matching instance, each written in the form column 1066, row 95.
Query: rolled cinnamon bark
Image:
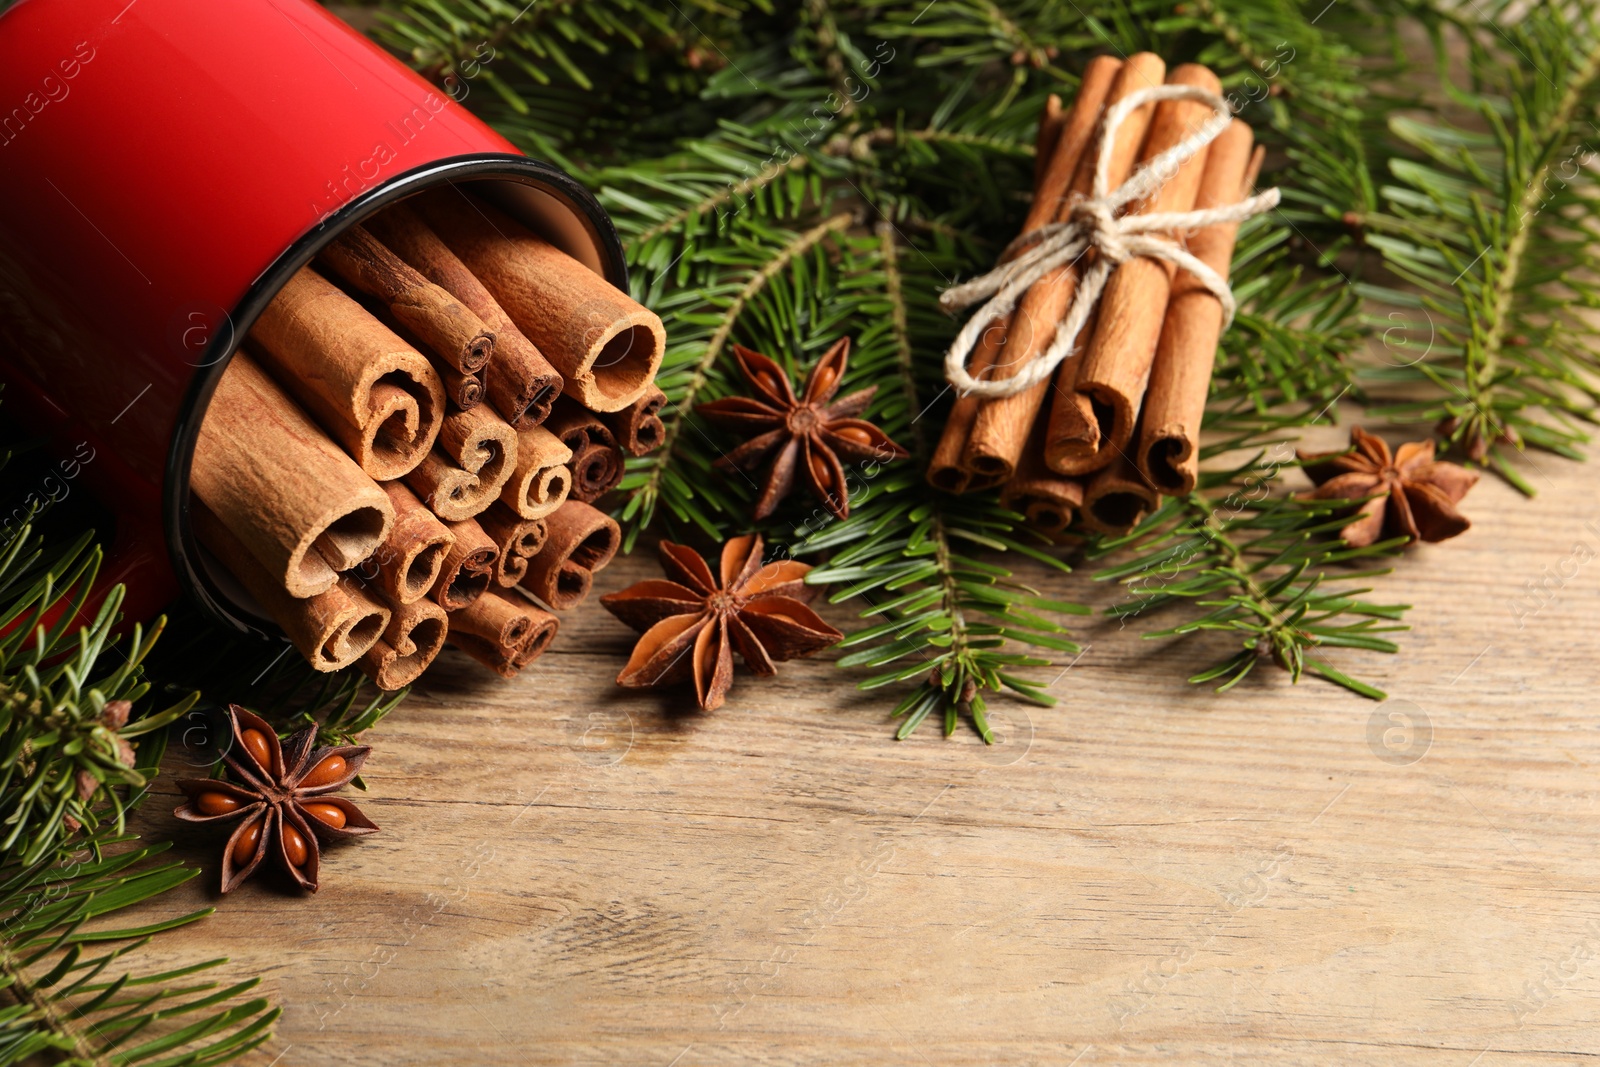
column 520, row 382
column 950, row 470
column 465, row 391
column 638, row 428
column 1001, row 426
column 581, row 541
column 468, row 567
column 1072, row 423
column 475, row 457
column 545, row 626
column 1049, row 500
column 541, row 480
column 376, row 395
column 946, row 470
column 518, row 539
column 410, row 642
column 331, row 629
column 495, row 618
column 503, row 631
column 455, row 334
column 1051, row 119
column 1117, row 497
column 606, row 345
column 1116, row 365
column 596, row 470
column 596, row 462
column 407, row 564
column 301, row 507
column 461, row 391
column 1169, row 452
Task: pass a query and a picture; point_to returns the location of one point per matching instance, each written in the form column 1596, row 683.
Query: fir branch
column 1289, row 347
column 65, row 733
column 54, row 970
column 900, row 321
column 950, row 621
column 1242, row 558
column 69, row 775
column 825, row 28
column 1495, row 236
column 643, row 494
column 799, row 246
column 729, row 194
column 1028, row 35
column 933, row 141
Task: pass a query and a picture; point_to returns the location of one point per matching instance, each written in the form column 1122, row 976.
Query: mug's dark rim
column 181, row 544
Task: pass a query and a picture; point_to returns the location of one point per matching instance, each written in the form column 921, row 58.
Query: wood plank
column 1149, row 873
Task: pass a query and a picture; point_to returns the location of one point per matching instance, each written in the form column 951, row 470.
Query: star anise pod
column 279, row 795
column 692, row 621
column 807, row 436
column 1413, row 494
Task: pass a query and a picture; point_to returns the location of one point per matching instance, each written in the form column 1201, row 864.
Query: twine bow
column 1093, row 223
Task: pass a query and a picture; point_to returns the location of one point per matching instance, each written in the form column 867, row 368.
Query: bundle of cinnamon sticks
column 406, row 448
column 1119, row 424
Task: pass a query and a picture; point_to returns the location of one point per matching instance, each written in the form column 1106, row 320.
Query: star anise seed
column 1412, row 494
column 805, row 436
column 280, row 796
column 692, row 621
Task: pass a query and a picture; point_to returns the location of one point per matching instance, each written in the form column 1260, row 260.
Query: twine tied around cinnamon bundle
column 1094, row 224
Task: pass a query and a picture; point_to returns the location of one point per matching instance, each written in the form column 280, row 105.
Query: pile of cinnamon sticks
column 406, row 447
column 1118, row 426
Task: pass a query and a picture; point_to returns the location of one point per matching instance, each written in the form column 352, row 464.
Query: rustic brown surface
column 571, row 873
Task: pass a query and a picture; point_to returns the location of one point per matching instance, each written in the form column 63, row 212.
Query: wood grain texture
column 570, row 873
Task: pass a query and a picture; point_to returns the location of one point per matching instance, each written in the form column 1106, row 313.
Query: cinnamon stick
column 581, row 541
column 1002, row 424
column 519, row 541
column 461, row 391
column 540, row 482
column 1051, row 120
column 503, row 631
column 1116, row 365
column 331, row 629
column 638, row 428
column 407, row 564
column 376, row 395
column 410, row 642
column 475, row 457
column 1169, row 452
column 1117, row 497
column 520, row 383
column 465, row 391
column 951, row 469
column 302, row 508
column 606, row 345
column 495, row 618
column 1073, row 421
column 596, row 463
column 468, row 566
column 946, row 470
column 535, row 645
column 1048, row 500
column 455, row 334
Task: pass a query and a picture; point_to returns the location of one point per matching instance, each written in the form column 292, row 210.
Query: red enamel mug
column 165, row 165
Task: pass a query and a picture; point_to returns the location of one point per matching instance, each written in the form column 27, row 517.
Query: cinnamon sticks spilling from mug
column 1119, row 424
column 376, row 471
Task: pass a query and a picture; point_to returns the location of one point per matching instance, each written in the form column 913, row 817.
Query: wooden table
column 1149, row 873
